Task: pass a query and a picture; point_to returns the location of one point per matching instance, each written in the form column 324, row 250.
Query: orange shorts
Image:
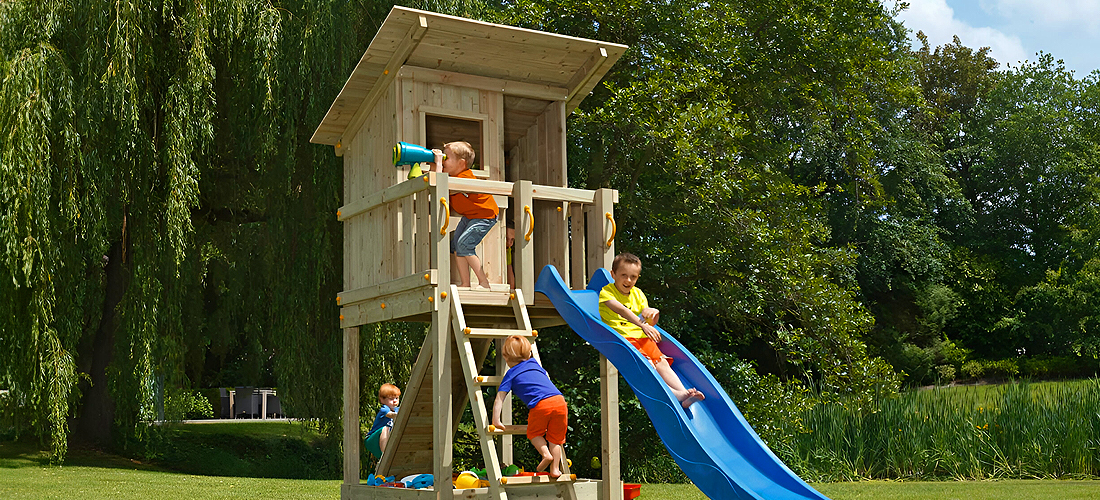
column 549, row 418
column 649, row 349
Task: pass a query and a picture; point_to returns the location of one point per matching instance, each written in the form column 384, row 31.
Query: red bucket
column 631, row 491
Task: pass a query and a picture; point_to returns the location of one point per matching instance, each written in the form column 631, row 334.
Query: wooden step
column 497, row 333
column 529, row 480
column 488, row 380
column 484, row 297
column 510, row 430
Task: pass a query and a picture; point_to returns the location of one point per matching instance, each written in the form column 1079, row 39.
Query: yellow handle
column 613, row 228
column 531, row 229
column 446, row 217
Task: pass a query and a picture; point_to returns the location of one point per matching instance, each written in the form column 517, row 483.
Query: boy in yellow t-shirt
column 623, row 306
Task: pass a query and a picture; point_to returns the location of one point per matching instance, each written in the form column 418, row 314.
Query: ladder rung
column 496, row 333
column 496, row 297
column 511, row 429
column 522, row 480
column 488, row 380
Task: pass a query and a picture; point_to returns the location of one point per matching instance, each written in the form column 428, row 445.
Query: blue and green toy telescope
column 408, row 154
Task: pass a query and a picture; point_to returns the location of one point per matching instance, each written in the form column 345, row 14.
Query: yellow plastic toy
column 467, row 480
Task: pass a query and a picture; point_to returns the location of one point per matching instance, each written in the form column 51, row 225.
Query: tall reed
column 1018, row 430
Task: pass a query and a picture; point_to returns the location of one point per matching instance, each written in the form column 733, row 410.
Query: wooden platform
column 586, row 488
column 415, row 302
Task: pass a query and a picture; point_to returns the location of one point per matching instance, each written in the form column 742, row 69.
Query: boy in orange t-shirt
column 479, row 212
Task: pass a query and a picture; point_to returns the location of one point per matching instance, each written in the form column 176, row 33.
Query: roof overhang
column 436, row 41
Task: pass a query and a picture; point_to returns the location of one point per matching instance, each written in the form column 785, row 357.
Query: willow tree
column 142, row 143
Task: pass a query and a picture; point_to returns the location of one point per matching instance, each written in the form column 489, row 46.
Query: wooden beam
column 415, row 280
column 364, row 492
column 523, row 250
column 351, row 405
column 600, row 230
column 576, row 246
column 554, row 193
column 507, row 430
column 443, row 433
column 403, row 304
column 518, row 480
column 593, row 66
column 507, row 87
column 417, row 377
column 496, row 333
column 453, row 113
column 388, row 195
column 612, row 486
column 538, row 191
column 400, row 55
column 488, row 380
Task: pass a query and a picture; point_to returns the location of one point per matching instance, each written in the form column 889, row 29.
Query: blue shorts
column 468, row 234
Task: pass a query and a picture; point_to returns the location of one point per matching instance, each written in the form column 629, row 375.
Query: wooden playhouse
column 428, row 79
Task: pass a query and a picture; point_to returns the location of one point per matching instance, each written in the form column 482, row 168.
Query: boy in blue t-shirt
column 548, row 417
column 388, row 396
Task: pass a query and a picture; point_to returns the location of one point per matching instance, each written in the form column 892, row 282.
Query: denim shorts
column 468, row 234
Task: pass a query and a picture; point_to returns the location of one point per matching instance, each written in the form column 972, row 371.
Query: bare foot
column 693, row 396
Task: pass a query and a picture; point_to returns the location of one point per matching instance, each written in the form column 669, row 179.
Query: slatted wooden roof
column 436, row 41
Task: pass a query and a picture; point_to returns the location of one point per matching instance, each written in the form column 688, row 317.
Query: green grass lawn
column 896, row 490
column 26, row 474
column 93, row 476
column 87, row 474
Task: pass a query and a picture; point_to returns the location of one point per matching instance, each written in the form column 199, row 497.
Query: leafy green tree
column 1033, row 192
column 709, row 127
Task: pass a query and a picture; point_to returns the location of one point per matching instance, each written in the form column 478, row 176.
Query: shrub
column 1001, row 368
column 7, row 422
column 1058, row 367
column 973, row 369
column 945, row 374
column 187, row 406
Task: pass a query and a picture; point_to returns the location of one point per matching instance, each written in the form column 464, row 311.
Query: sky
column 1014, row 30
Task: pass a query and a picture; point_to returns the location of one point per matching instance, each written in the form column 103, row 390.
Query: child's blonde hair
column 462, row 150
column 516, row 349
column 388, row 391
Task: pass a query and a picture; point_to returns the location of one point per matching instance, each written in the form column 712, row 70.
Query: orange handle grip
column 613, row 228
column 531, row 229
column 446, row 217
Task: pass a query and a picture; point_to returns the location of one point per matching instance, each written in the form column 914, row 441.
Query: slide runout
column 711, row 441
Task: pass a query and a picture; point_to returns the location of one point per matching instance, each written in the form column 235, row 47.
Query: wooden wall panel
column 436, row 98
column 539, row 156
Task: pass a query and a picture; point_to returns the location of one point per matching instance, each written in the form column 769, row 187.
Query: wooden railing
column 395, row 237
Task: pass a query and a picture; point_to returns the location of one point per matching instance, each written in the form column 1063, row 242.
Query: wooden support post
column 504, row 443
column 406, row 238
column 600, row 230
column 576, row 247
column 612, row 486
column 443, row 432
column 351, row 405
column 523, row 252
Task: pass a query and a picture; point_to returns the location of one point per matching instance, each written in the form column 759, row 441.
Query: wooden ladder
column 475, row 381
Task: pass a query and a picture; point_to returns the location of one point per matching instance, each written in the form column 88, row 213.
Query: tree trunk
column 97, row 415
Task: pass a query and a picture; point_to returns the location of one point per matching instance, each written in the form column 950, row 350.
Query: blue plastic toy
column 421, row 481
column 379, row 480
column 408, row 154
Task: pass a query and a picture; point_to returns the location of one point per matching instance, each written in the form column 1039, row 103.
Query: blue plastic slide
column 710, row 441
